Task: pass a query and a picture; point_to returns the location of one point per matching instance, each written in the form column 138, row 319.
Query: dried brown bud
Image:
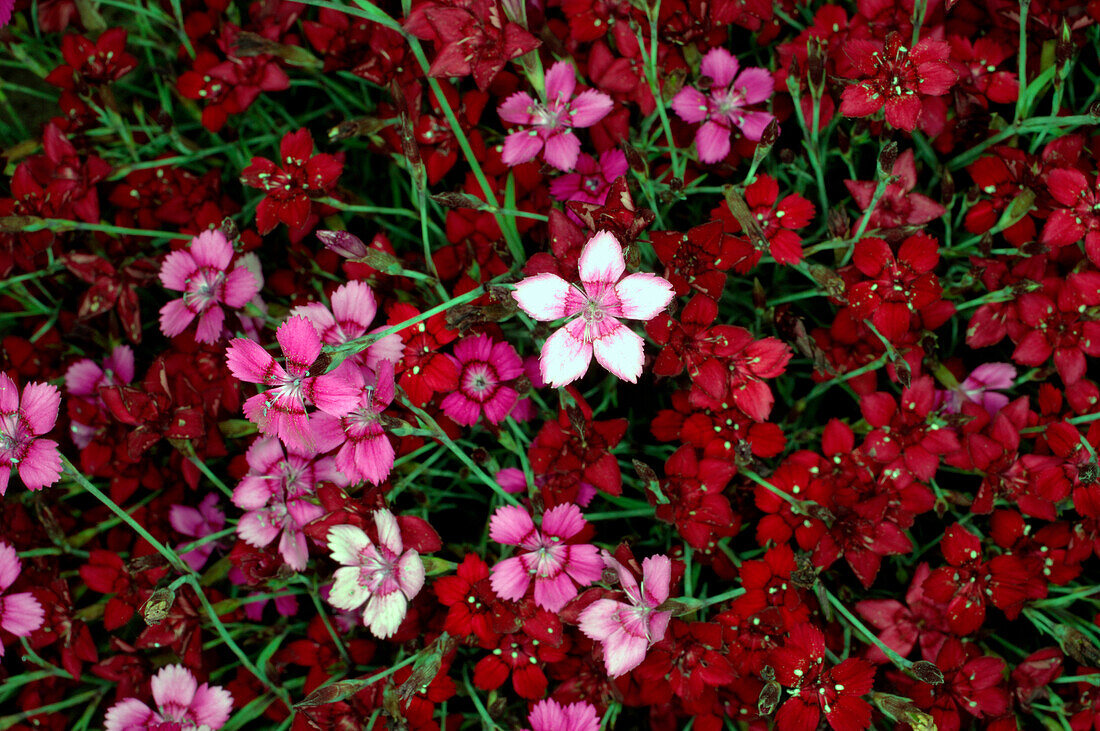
column 829, row 281
column 815, row 66
column 479, row 455
column 1079, row 647
column 254, row 44
column 157, row 606
column 838, row 222
column 576, row 418
column 635, row 159
column 320, row 365
column 804, row 574
column 458, row 200
column 15, row 224
column 674, row 81
column 645, row 473
column 886, row 159
column 926, row 672
column 769, row 698
column 358, row 127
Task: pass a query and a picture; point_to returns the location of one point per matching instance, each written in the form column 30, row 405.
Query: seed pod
column 926, row 672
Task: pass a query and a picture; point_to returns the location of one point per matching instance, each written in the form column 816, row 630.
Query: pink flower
column 551, row 123
column 198, row 523
column 276, row 496
column 547, row 557
column 725, row 107
column 592, row 180
column 353, row 310
column 182, row 705
column 981, row 387
column 627, row 631
column 281, row 409
column 549, row 715
column 605, row 297
column 384, row 576
column 365, row 450
column 84, row 378
column 21, row 424
column 202, row 274
column 20, row 613
column 484, row 367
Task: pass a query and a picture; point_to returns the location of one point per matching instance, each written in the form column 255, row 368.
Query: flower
column 202, row 274
column 20, row 613
column 384, row 575
column 198, row 523
column 353, row 310
column 899, row 204
column 290, row 188
column 365, row 450
column 592, row 180
column 980, row 387
column 547, row 557
column 725, row 107
column 484, row 366
column 21, row 424
column 627, row 631
column 182, row 704
column 606, row 296
column 552, row 122
column 549, row 715
column 6, row 6
column 281, row 409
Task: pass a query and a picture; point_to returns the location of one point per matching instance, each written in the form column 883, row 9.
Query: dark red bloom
column 777, row 219
column 291, row 185
column 92, row 64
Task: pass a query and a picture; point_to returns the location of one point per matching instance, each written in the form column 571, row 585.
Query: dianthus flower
column 202, row 274
column 725, row 106
column 627, row 631
column 592, row 180
column 291, row 187
column 385, row 576
column 547, row 557
column 551, row 123
column 353, row 310
column 182, row 705
column 281, row 409
column 36, row 460
column 549, row 715
column 197, row 523
column 365, row 450
column 606, row 296
column 6, row 6
column 980, row 387
column 20, row 613
column 483, row 369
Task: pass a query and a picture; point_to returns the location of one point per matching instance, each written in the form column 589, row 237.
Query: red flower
column 112, row 289
column 291, row 186
column 777, row 218
column 523, row 658
column 904, row 625
column 972, row 682
column 573, row 454
column 744, row 363
column 1060, row 328
column 470, row 599
column 899, row 205
column 618, row 214
column 91, row 64
column 904, row 439
column 900, row 78
column 693, row 499
column 976, row 64
column 1079, row 216
column 424, row 370
column 697, row 259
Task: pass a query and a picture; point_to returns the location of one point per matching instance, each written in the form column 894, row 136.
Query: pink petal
column 563, row 521
column 510, row 579
column 752, row 125
column 601, row 259
column 720, row 66
column 212, row 249
column 656, row 577
column 547, row 715
column 332, row 394
column 584, row 564
column 83, row 378
column 500, row 405
column 410, row 573
column 21, row 614
column 240, row 287
column 186, row 520
column 620, row 352
column 40, row 404
column 375, row 458
column 249, row 362
column 755, row 84
column 293, row 549
column 256, row 529
column 516, row 109
column 176, row 269
column 690, row 105
column 5, row 477
column 589, row 107
column 622, row 652
column 598, row 620
column 346, row 543
column 212, row 706
column 9, row 395
column 998, row 376
column 560, row 82
column 564, row 359
column 173, row 685
column 209, row 330
column 9, row 566
column 521, row 147
column 300, row 343
column 41, row 465
column 384, row 614
column 128, row 715
column 543, row 296
column 643, row 296
column 354, row 303
column 460, row 409
column 562, row 149
column 512, row 526
column 582, row 717
column 175, row 316
column 713, row 142
column 322, row 319
column 553, row 593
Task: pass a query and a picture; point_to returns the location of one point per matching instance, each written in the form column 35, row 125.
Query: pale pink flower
column 511, row 480
column 551, row 123
column 22, row 423
column 202, row 273
column 981, row 387
column 384, row 576
column 85, row 377
column 281, row 409
column 725, row 104
column 198, row 523
column 605, row 297
column 353, row 310
column 592, row 180
column 484, row 367
column 182, row 705
column 627, row 631
column 20, row 613
column 276, row 496
column 549, row 715
column 365, row 450
column 556, row 565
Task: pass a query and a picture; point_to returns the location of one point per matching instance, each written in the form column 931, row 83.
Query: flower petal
column 601, row 259
column 643, row 295
column 620, row 351
column 543, row 296
column 564, row 359
column 39, row 405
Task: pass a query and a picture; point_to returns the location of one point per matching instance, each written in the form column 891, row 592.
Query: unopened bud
column 926, row 672
column 458, row 200
column 1079, row 647
column 645, row 473
column 156, row 607
column 343, row 243
column 635, row 159
column 358, row 127
column 815, row 67
column 767, row 140
column 886, row 159
column 838, row 222
column 254, row 44
column 901, row 709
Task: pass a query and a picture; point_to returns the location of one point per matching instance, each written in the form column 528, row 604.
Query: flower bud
column 343, row 243
column 156, row 607
column 926, row 672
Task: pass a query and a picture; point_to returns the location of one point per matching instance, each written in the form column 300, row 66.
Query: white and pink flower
column 20, row 613
column 384, row 576
column 594, row 308
column 22, row 424
column 181, row 705
column 547, row 557
column 484, row 369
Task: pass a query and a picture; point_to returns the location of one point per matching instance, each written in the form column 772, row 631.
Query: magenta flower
column 627, row 631
column 981, row 387
column 353, row 310
column 725, row 105
column 85, row 377
column 198, row 523
column 605, row 297
column 385, row 576
column 547, row 557
column 276, row 496
column 36, row 460
column 20, row 613
column 551, row 123
column 549, row 715
column 202, row 274
column 592, row 180
column 483, row 369
column 365, row 450
column 281, row 409
column 182, row 705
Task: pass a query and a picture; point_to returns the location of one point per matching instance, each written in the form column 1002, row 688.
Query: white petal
column 601, row 259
